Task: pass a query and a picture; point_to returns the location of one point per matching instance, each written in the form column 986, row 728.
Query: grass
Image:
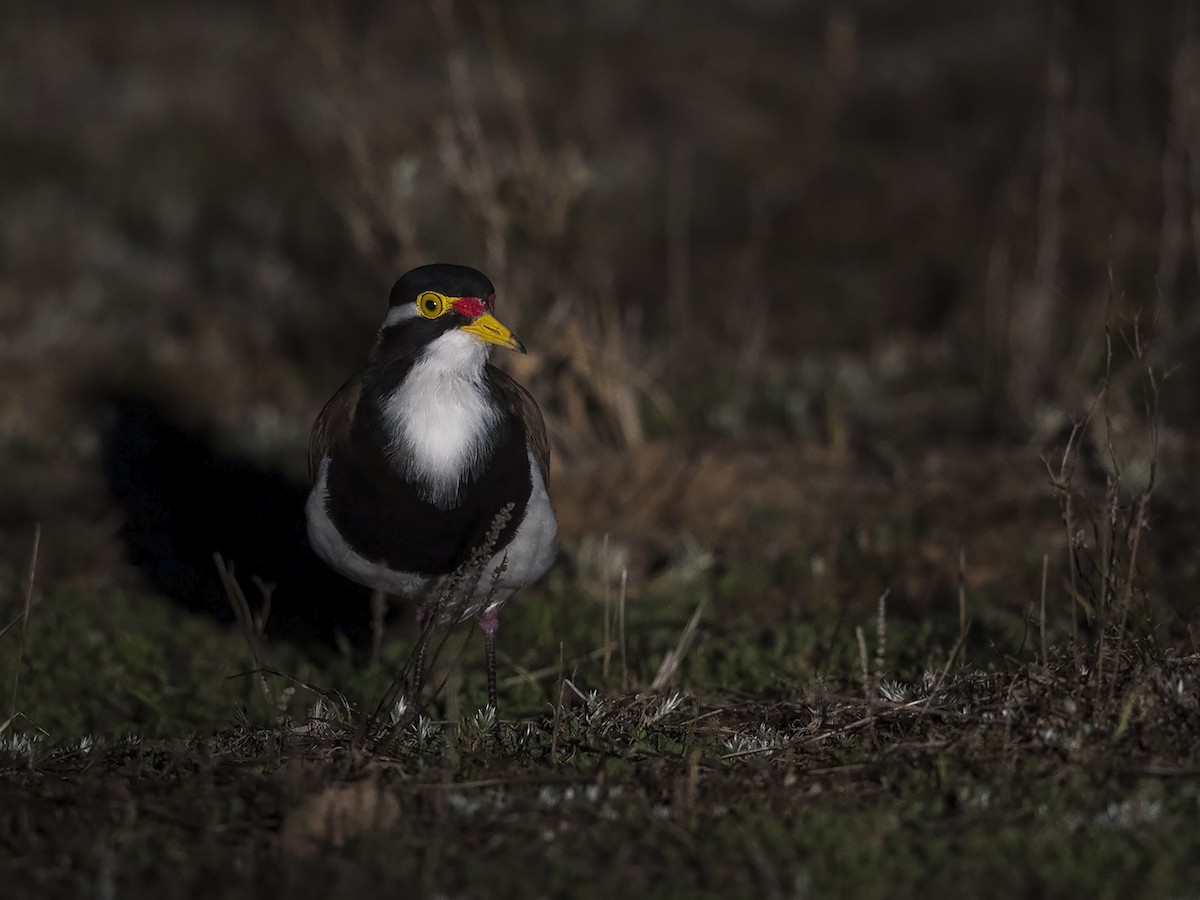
column 802, row 322
column 989, row 790
column 146, row 757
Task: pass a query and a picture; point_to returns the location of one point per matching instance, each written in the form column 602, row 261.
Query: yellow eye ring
column 431, row 304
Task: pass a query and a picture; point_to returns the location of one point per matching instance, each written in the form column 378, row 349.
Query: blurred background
column 810, row 288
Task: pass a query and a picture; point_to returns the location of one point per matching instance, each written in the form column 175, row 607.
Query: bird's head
column 443, row 309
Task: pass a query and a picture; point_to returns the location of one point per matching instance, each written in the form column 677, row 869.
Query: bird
column 430, row 461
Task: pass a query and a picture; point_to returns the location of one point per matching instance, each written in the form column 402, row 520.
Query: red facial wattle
column 471, row 307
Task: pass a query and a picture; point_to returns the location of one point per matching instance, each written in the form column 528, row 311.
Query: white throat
column 440, row 420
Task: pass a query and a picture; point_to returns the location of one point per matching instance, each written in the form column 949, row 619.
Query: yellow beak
column 488, row 328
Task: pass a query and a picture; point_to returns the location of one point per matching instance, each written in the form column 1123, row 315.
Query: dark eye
column 431, row 305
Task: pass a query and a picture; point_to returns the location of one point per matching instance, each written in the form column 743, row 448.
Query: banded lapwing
column 429, row 454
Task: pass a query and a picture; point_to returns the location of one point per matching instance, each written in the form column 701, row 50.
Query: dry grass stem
column 533, row 676
column 607, row 649
column 672, row 658
column 865, row 669
column 621, row 630
column 558, row 701
column 30, row 577
column 1042, row 610
column 880, row 639
column 248, row 623
column 962, row 604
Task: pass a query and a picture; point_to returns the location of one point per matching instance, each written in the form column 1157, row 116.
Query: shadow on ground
column 184, row 500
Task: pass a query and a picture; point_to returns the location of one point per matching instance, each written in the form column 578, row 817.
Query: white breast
column 440, row 419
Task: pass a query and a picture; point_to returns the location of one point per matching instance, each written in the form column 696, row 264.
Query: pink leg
column 489, row 624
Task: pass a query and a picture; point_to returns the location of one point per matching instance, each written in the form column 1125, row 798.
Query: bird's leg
column 489, row 624
column 378, row 613
column 418, row 678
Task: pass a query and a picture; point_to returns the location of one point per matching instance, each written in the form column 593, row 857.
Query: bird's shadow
column 185, row 499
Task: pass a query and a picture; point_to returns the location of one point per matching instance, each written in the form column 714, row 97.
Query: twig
column 862, row 660
column 29, row 580
column 1042, row 611
column 962, row 604
column 1061, row 484
column 607, row 608
column 621, row 630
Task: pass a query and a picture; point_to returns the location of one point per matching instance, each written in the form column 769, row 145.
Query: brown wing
column 333, row 423
column 517, row 398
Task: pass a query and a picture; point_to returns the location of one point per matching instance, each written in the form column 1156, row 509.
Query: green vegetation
column 147, row 754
